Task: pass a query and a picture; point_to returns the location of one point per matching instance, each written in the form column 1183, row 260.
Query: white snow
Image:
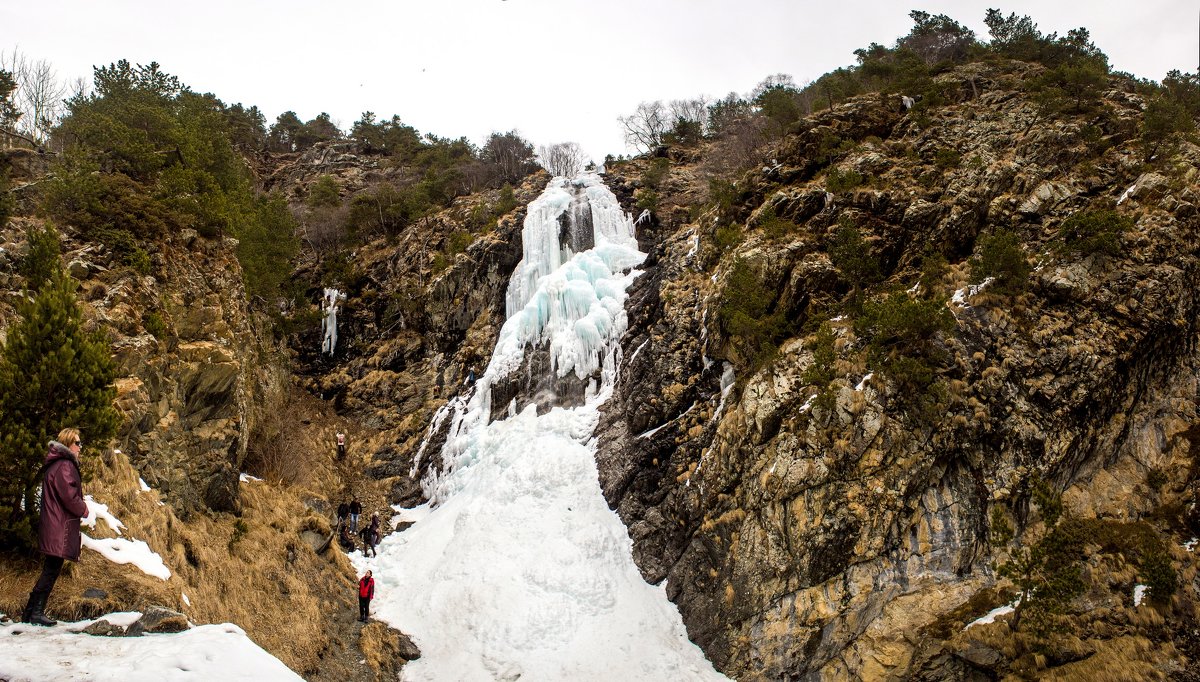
column 143, row 486
column 960, row 297
column 863, row 384
column 991, row 616
column 1126, row 194
column 117, row 550
column 134, row 552
column 1190, row 545
column 908, row 102
column 29, row 653
column 185, row 598
column 99, row 511
column 808, row 403
column 1139, row 593
column 518, row 568
column 246, row 478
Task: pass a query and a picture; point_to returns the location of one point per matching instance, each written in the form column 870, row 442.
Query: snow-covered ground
column 519, row 569
column 29, row 653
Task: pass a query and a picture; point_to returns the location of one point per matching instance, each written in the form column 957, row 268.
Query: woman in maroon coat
column 62, row 508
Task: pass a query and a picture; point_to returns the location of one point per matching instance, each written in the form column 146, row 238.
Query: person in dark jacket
column 343, row 510
column 58, row 532
column 355, row 510
column 366, row 592
column 345, row 539
column 370, row 536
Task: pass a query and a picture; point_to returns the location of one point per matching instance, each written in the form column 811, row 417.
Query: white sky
column 556, row 70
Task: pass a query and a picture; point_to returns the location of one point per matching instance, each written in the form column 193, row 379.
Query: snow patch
column 143, row 486
column 246, row 478
column 99, row 511
column 960, row 297
column 1139, row 593
column 185, row 598
column 863, row 384
column 1190, row 545
column 134, row 552
column 206, row 652
column 991, row 616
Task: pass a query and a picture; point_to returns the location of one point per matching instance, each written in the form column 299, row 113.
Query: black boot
column 28, row 611
column 38, row 615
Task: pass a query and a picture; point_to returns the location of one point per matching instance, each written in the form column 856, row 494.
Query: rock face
column 187, row 395
column 823, row 539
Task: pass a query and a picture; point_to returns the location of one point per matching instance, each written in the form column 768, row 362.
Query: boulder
column 158, row 620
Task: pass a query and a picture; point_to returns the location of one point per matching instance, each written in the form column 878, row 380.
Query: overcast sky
column 556, row 70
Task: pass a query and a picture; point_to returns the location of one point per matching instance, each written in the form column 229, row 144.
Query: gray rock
column 94, row 593
column 103, row 628
column 407, row 649
column 159, row 620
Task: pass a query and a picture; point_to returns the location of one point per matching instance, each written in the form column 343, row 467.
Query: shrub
column 852, row 256
column 1093, row 232
column 837, row 180
column 154, row 324
column 1001, row 258
column 325, row 192
column 727, row 236
column 947, row 158
column 747, row 316
column 901, row 337
column 458, row 241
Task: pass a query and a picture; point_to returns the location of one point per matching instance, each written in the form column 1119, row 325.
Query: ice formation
column 518, row 568
column 329, row 305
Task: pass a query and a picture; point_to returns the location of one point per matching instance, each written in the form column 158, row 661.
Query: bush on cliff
column 145, row 156
column 53, row 374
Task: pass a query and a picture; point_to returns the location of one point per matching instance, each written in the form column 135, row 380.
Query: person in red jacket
column 62, row 509
column 366, row 591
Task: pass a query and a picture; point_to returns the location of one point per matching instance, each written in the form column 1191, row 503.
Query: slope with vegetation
column 947, row 362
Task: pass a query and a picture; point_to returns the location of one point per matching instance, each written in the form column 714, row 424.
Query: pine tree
column 53, row 374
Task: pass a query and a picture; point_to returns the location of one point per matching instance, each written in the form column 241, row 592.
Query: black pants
column 341, row 450
column 364, row 608
column 50, row 570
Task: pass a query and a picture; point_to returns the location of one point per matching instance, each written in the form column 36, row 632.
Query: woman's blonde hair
column 68, row 437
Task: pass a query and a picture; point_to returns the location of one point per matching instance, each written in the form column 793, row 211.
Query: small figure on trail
column 345, row 540
column 370, row 536
column 58, row 532
column 341, row 445
column 355, row 510
column 366, row 591
column 343, row 510
column 470, row 377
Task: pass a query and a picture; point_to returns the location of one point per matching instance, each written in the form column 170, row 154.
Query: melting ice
column 519, row 569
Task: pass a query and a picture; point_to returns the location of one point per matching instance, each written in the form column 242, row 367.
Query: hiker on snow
column 344, row 539
column 370, row 536
column 366, row 591
column 58, row 532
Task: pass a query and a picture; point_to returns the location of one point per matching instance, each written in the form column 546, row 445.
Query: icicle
column 329, row 306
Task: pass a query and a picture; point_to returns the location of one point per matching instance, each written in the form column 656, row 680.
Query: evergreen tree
column 53, row 374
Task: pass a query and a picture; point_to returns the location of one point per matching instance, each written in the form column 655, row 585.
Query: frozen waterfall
column 518, row 568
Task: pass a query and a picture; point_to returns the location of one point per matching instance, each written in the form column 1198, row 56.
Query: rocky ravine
column 809, row 543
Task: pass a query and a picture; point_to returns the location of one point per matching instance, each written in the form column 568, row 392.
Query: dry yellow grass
column 263, row 577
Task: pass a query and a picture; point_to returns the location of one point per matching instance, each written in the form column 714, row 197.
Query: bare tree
column 565, row 159
column 689, row 110
column 39, row 95
column 645, row 128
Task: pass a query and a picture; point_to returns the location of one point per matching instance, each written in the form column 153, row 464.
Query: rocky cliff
column 837, row 531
